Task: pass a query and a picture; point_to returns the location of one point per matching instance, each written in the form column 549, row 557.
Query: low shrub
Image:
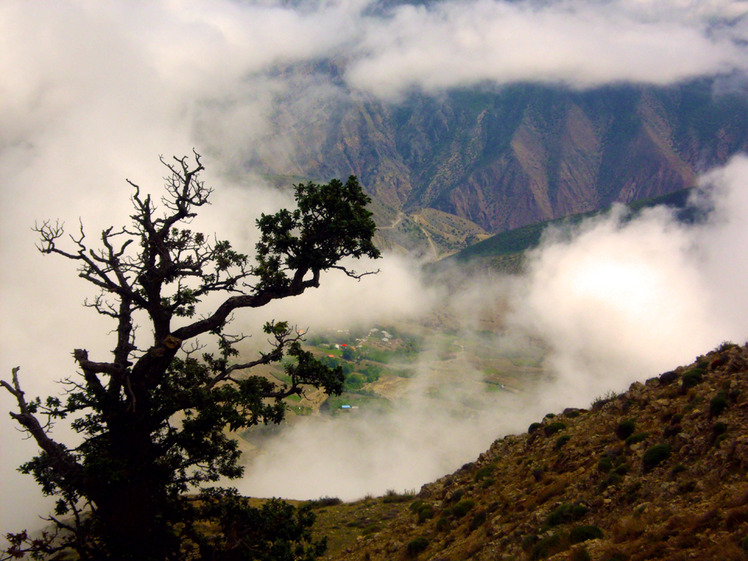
column 483, row 472
column 462, row 508
column 580, row 554
column 392, row 496
column 692, row 377
column 625, row 429
column 324, row 501
column 534, row 426
column 417, row 546
column 479, row 518
column 426, row 512
column 561, row 441
column 744, row 544
column 554, row 427
column 610, row 481
column 456, row 496
column 677, row 468
column 655, row 455
column 415, row 506
column 604, row 464
column 580, row 534
column 547, row 546
column 636, row 438
column 528, row 541
column 565, row 512
column 668, row 377
column 718, row 404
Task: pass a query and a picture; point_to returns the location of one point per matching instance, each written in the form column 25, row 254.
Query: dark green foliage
column 655, row 455
column 636, row 438
column 744, row 544
column 553, row 428
column 479, row 518
column 565, row 513
column 625, row 429
column 604, row 464
column 423, row 510
column 152, row 423
column 580, row 554
column 276, row 531
column 325, row 501
column 417, row 546
column 580, row 534
column 547, row 546
column 534, row 426
column 392, row 496
column 461, row 508
column 443, row 523
column 561, row 440
column 416, row 505
column 425, row 513
column 612, row 480
column 719, row 428
column 528, row 541
column 484, row 472
column 718, row 404
column 677, row 468
column 457, row 495
column 692, row 377
column 668, row 377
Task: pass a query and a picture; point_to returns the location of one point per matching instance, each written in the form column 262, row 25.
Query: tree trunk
column 131, row 505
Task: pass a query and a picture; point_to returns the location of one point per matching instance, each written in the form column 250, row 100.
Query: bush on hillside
column 655, row 455
column 554, row 427
column 417, row 546
column 625, row 429
column 718, row 404
column 580, row 534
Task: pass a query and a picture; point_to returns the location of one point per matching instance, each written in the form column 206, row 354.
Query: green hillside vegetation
column 504, row 250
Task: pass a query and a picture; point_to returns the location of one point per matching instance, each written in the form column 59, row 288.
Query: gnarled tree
column 154, row 417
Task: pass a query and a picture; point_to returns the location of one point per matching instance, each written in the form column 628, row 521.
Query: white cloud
column 579, row 44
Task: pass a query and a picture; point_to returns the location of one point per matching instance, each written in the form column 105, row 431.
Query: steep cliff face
column 508, row 157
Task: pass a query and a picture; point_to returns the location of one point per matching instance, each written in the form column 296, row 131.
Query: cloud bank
column 579, row 44
column 615, row 300
column 91, row 93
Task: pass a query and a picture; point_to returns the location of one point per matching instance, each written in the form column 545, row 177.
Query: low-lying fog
column 613, row 301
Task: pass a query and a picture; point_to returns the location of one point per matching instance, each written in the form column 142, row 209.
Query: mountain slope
column 505, row 157
column 658, row 472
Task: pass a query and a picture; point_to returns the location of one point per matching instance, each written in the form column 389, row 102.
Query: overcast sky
column 93, row 92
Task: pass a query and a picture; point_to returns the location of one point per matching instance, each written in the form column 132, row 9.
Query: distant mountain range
column 448, row 171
